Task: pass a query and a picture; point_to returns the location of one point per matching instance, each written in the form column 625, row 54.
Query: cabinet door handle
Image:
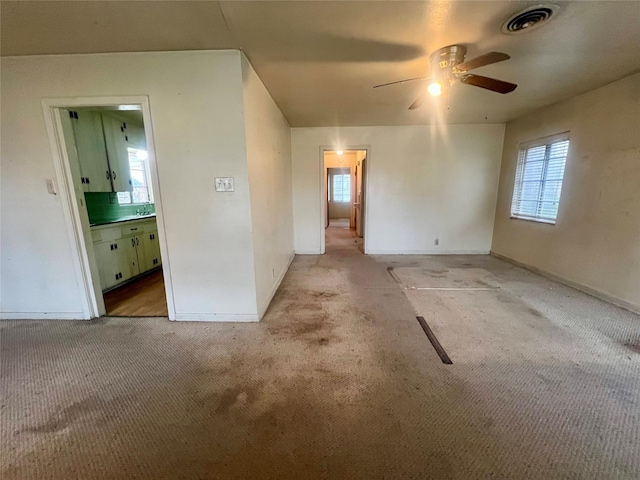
column 108, row 175
column 133, row 242
column 114, row 174
column 137, row 241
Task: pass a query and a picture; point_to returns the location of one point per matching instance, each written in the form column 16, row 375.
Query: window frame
column 523, row 148
column 146, row 168
column 343, row 191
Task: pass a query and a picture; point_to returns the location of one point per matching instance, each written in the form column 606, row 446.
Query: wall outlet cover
column 51, row 187
column 224, row 184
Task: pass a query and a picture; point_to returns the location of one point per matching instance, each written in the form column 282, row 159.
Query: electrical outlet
column 224, row 184
column 51, row 187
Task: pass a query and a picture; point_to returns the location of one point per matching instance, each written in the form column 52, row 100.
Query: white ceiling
column 319, row 60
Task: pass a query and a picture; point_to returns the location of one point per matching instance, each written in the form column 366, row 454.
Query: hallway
column 338, row 235
column 337, row 381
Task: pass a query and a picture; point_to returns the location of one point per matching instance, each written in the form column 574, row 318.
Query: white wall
column 198, row 124
column 595, row 243
column 268, row 137
column 424, row 182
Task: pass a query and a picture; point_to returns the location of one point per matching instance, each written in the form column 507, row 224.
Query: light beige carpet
column 338, row 381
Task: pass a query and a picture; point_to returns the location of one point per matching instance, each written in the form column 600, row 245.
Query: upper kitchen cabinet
column 134, row 135
column 117, row 149
column 92, row 154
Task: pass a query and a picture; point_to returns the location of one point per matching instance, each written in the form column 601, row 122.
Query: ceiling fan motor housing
column 443, row 60
column 447, row 57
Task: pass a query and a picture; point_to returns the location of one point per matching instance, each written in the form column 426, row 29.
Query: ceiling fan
column 448, row 66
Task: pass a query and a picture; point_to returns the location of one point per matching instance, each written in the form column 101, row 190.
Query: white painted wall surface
column 424, row 182
column 268, row 139
column 596, row 240
column 198, row 124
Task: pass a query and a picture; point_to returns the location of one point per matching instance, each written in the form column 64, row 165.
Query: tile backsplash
column 103, row 208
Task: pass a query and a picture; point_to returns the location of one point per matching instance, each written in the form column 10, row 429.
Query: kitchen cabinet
column 125, row 250
column 101, row 144
column 108, row 265
column 134, row 136
column 116, row 145
column 91, row 149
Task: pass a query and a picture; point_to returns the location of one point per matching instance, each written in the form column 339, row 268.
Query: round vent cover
column 529, row 19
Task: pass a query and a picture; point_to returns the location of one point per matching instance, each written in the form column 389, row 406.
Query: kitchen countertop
column 130, row 218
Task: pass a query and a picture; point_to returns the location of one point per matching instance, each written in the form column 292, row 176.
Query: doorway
column 343, row 195
column 106, row 170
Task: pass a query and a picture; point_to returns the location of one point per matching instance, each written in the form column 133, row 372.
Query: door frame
column 323, row 197
column 329, row 191
column 83, row 255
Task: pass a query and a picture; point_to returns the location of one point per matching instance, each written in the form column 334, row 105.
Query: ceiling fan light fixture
column 339, row 152
column 529, row 19
column 435, row 89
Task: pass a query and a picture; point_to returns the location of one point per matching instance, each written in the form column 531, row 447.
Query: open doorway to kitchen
column 344, row 195
column 109, row 177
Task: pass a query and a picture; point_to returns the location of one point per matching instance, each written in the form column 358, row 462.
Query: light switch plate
column 224, row 184
column 51, row 187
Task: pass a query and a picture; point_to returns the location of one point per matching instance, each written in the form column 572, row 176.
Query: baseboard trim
column 427, row 252
column 570, row 283
column 42, row 316
column 264, row 305
column 216, row 317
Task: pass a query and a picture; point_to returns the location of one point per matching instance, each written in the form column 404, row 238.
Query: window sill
column 535, row 220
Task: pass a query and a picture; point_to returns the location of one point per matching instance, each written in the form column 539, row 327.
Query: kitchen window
column 539, row 176
column 141, row 191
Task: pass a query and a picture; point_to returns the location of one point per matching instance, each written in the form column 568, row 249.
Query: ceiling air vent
column 529, row 19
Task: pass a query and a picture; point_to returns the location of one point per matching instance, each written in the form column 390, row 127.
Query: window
column 341, row 188
column 140, row 178
column 539, row 174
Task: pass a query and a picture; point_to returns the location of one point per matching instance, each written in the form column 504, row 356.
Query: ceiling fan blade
column 401, row 81
column 492, row 84
column 481, row 61
column 418, row 102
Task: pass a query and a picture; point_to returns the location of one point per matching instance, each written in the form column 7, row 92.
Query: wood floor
column 144, row 297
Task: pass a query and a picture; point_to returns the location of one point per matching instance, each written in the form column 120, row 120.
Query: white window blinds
column 539, row 174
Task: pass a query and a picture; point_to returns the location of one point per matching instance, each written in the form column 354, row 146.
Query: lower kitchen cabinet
column 125, row 250
column 107, row 257
column 150, row 249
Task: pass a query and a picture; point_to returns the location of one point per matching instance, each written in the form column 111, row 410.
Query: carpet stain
column 296, row 308
column 236, row 398
column 435, row 271
column 634, row 346
column 322, row 341
column 315, row 330
column 535, row 312
column 68, row 415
